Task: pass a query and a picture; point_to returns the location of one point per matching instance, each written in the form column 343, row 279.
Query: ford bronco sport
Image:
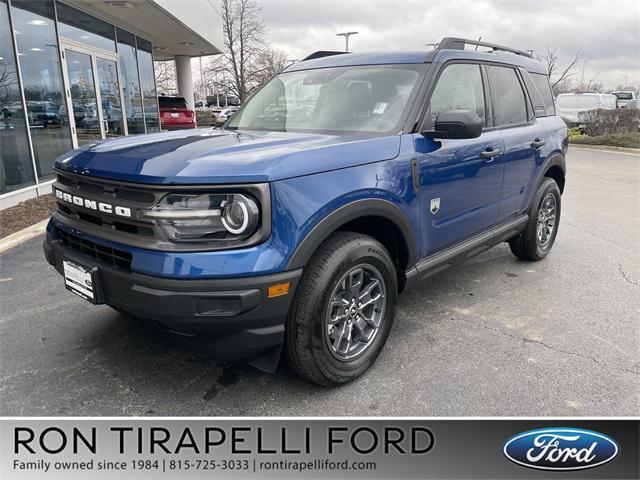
column 343, row 181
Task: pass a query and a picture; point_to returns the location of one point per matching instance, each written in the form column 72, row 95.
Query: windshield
column 623, row 95
column 179, row 102
column 332, row 100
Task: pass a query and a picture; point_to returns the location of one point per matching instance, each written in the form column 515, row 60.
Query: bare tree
column 165, row 76
column 7, row 75
column 268, row 64
column 557, row 73
column 243, row 32
column 592, row 85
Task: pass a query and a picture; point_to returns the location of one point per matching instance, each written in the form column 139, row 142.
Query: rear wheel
column 343, row 310
column 536, row 240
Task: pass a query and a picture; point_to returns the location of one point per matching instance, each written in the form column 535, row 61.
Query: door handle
column 537, row 143
column 106, row 126
column 489, row 153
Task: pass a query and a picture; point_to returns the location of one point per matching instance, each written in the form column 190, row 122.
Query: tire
column 315, row 348
column 530, row 245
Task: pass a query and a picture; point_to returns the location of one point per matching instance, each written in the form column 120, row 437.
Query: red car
column 175, row 114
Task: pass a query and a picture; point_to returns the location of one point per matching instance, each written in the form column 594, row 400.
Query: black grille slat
column 66, row 181
column 88, row 218
column 112, row 256
column 90, row 188
column 135, row 196
column 111, row 191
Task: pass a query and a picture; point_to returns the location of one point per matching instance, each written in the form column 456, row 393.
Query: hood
column 219, row 156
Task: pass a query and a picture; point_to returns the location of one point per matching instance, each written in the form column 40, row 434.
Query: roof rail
column 320, row 54
column 452, row 43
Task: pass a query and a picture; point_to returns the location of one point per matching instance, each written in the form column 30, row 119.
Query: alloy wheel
column 546, row 220
column 355, row 312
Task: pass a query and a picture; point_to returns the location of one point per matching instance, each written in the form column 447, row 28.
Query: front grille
column 91, row 205
column 113, row 256
column 105, row 224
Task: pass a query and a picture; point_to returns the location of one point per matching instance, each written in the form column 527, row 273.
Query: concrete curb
column 17, row 238
column 604, row 148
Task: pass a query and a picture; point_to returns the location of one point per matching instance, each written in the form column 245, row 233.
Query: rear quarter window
column 539, row 91
column 541, row 83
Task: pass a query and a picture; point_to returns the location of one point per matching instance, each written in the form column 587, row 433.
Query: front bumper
column 232, row 319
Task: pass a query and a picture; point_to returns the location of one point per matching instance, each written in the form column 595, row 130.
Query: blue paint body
column 311, row 176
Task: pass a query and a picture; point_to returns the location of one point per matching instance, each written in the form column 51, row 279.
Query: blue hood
column 217, row 156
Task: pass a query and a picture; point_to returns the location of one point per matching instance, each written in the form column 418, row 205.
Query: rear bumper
column 232, row 319
column 177, row 126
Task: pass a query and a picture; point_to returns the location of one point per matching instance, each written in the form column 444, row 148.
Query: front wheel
column 536, row 240
column 343, row 310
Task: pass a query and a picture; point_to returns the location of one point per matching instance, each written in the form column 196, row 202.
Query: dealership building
column 78, row 71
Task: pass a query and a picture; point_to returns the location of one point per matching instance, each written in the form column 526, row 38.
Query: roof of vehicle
column 164, row 101
column 496, row 54
column 571, row 94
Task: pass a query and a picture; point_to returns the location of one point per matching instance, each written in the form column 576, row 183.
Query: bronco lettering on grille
column 92, row 204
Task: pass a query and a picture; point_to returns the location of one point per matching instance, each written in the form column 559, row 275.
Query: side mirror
column 456, row 124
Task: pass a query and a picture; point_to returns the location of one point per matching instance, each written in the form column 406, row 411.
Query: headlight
column 203, row 217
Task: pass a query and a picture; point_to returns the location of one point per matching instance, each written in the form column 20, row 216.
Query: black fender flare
column 352, row 211
column 556, row 159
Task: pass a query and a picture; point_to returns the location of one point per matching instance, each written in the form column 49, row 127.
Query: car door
column 523, row 138
column 460, row 179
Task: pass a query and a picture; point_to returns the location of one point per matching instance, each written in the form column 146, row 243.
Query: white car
column 633, row 104
column 224, row 113
column 570, row 105
column 624, row 97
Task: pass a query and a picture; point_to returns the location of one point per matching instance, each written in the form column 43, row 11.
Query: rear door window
column 507, row 97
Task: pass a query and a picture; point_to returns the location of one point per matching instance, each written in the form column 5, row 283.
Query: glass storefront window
column 83, row 97
column 130, row 81
column 81, row 27
column 16, row 169
column 41, row 81
column 148, row 85
column 37, row 46
column 110, row 92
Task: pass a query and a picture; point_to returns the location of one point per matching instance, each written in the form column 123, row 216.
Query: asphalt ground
column 494, row 336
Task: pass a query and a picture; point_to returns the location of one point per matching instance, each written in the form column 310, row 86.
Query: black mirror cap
column 456, row 124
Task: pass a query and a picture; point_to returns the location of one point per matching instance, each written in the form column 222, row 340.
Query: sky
column 605, row 33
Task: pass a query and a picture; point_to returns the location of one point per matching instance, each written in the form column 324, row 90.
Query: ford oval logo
column 561, row 449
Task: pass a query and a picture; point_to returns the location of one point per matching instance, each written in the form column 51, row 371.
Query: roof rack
column 452, row 43
column 320, row 54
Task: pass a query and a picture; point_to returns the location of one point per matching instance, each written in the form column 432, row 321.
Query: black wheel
column 535, row 242
column 343, row 310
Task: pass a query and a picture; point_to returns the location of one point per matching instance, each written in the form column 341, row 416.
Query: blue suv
column 342, row 182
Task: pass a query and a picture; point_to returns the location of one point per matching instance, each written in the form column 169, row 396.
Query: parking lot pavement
column 494, row 336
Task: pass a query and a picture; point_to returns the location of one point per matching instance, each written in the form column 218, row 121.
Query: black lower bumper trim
column 231, row 318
